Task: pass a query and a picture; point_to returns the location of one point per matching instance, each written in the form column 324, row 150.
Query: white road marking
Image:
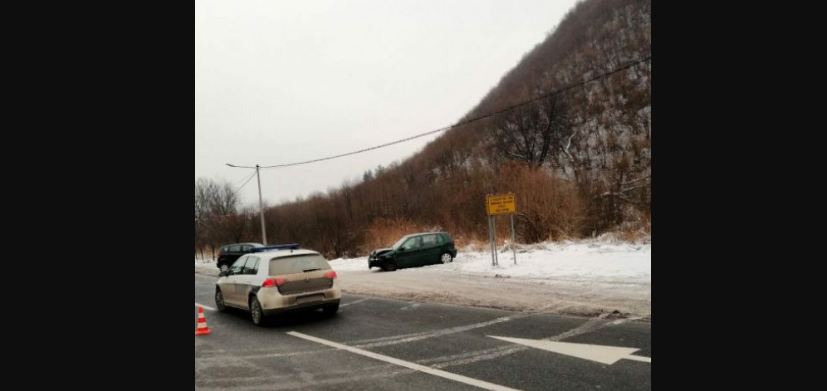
column 475, row 356
column 603, row 354
column 406, row 364
column 404, row 338
column 206, row 307
column 587, row 327
column 221, row 356
column 353, row 302
column 639, row 358
column 501, row 351
column 408, row 307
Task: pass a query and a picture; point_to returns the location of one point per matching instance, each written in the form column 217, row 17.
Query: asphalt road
column 380, row 344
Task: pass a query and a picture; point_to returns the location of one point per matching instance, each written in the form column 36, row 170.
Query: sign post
column 490, row 241
column 513, row 247
column 498, row 204
column 494, row 241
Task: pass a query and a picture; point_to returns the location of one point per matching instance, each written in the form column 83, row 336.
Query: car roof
column 285, row 253
column 423, row 233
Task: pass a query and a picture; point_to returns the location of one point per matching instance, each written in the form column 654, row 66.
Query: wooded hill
column 579, row 161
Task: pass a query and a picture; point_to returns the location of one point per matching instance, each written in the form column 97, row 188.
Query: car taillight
column 331, row 275
column 278, row 281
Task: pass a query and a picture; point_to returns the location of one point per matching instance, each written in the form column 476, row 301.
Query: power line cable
column 465, row 122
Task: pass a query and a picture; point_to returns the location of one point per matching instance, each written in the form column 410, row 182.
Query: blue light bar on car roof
column 291, row 246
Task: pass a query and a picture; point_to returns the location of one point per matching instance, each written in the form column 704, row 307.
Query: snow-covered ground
column 592, row 260
column 589, row 277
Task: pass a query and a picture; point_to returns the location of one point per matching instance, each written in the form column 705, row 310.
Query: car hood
column 381, row 251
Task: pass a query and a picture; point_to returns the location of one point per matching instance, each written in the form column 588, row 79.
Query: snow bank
column 590, row 260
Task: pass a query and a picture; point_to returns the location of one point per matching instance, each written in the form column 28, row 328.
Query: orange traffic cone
column 202, row 323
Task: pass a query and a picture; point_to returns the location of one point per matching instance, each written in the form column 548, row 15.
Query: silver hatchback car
column 269, row 283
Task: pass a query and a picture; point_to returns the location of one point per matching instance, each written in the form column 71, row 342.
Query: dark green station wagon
column 415, row 250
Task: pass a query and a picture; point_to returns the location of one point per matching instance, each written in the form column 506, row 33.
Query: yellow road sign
column 498, row 204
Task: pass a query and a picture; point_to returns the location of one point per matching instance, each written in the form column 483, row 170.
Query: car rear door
column 222, row 255
column 235, row 253
column 447, row 244
column 430, row 250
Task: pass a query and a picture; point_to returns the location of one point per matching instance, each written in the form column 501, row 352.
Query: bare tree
column 216, row 217
column 529, row 133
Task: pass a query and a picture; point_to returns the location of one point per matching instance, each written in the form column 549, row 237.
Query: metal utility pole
column 260, row 202
column 261, row 208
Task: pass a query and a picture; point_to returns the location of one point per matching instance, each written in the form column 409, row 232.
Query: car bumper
column 376, row 262
column 299, row 307
column 273, row 302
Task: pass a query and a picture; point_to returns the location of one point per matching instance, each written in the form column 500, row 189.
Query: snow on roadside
column 588, row 260
column 599, row 260
column 581, row 278
column 207, row 267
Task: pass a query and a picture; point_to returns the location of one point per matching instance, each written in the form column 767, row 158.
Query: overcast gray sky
column 284, row 81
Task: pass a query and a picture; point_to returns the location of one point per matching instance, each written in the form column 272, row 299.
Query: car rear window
column 297, row 264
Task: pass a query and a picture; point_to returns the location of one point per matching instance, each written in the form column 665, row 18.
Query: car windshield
column 399, row 242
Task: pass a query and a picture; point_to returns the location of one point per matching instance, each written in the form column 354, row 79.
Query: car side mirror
column 402, row 248
column 224, row 273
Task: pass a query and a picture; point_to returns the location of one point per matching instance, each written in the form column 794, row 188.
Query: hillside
column 579, row 162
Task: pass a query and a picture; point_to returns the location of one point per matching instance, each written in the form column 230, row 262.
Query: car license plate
column 310, row 298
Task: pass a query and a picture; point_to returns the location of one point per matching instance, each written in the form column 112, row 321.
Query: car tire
column 256, row 313
column 331, row 309
column 446, row 258
column 219, row 301
column 389, row 266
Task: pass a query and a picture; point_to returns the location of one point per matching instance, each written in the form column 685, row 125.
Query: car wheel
column 389, row 267
column 219, row 301
column 446, row 258
column 255, row 312
column 331, row 310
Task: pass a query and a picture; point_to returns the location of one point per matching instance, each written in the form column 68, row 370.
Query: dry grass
column 385, row 232
column 549, row 208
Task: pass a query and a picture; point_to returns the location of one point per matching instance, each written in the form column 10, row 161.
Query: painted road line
column 639, row 358
column 600, row 353
column 353, row 302
column 501, row 351
column 431, row 371
column 408, row 307
column 206, row 307
column 405, row 338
